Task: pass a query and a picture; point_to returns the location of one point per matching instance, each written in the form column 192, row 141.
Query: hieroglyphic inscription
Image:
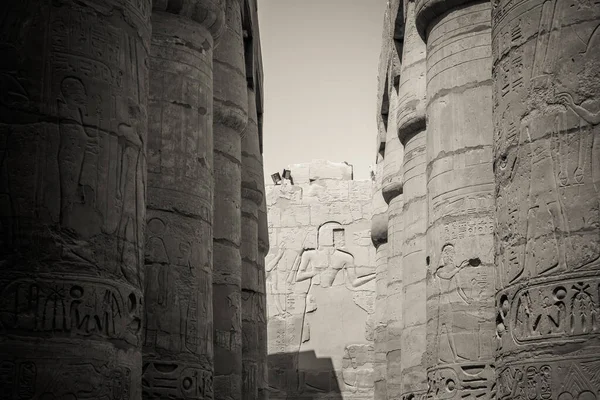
column 558, row 311
column 564, row 379
column 162, row 380
column 63, row 379
column 466, row 381
column 64, row 308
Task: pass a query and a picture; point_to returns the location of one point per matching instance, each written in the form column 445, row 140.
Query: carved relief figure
column 592, row 76
column 324, row 264
column 273, row 285
column 455, row 311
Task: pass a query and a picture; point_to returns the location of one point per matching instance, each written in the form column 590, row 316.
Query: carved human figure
column 272, row 280
column 592, row 75
column 454, row 309
column 325, row 262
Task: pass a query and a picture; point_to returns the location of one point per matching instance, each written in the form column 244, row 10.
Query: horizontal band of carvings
column 464, row 380
column 562, row 377
column 60, row 377
column 71, row 307
column 174, row 379
column 548, row 311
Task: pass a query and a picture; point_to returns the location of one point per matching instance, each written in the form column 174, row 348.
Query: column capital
column 208, row 13
column 429, row 10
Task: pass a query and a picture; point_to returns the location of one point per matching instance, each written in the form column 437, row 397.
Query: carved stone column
column 379, row 226
column 392, row 193
column 547, row 126
column 252, row 275
column 460, row 196
column 73, row 109
column 231, row 104
column 410, row 117
column 178, row 344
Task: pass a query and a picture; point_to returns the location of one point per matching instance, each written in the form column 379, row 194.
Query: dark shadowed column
column 546, row 158
column 410, row 119
column 73, row 98
column 230, row 105
column 460, row 182
column 252, row 196
column 178, row 348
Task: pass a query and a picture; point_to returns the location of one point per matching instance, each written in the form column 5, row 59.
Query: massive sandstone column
column 252, row 275
column 178, row 348
column 392, row 193
column 410, row 119
column 73, row 98
column 546, row 154
column 230, row 105
column 379, row 226
column 460, row 196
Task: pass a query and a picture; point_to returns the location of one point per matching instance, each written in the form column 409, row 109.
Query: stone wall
column 320, row 284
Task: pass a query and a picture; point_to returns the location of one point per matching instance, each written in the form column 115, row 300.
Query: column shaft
column 410, row 117
column 546, row 125
column 252, row 196
column 73, row 100
column 460, row 182
column 230, row 105
column 178, row 327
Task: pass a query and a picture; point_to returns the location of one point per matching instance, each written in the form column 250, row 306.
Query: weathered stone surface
column 320, row 291
column 231, row 116
column 410, row 119
column 253, row 312
column 460, row 318
column 178, row 259
column 73, row 118
column 546, row 124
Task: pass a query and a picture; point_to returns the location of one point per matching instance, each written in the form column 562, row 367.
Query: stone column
column 410, row 119
column 546, row 125
column 460, row 196
column 252, row 276
column 231, row 104
column 392, row 193
column 379, row 226
column 73, row 110
column 178, row 289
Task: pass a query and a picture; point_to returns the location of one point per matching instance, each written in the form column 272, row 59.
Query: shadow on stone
column 302, row 376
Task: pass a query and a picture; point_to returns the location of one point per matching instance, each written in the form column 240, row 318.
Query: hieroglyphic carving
column 176, row 380
column 549, row 379
column 455, row 307
column 546, row 155
column 68, row 379
column 63, row 308
column 465, row 381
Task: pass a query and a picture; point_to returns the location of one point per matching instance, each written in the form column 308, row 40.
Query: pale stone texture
column 410, row 119
column 73, row 118
column 546, row 120
column 460, row 318
column 178, row 327
column 321, row 288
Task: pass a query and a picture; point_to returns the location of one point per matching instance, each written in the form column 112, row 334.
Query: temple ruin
column 131, row 192
column 143, row 257
column 486, row 201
